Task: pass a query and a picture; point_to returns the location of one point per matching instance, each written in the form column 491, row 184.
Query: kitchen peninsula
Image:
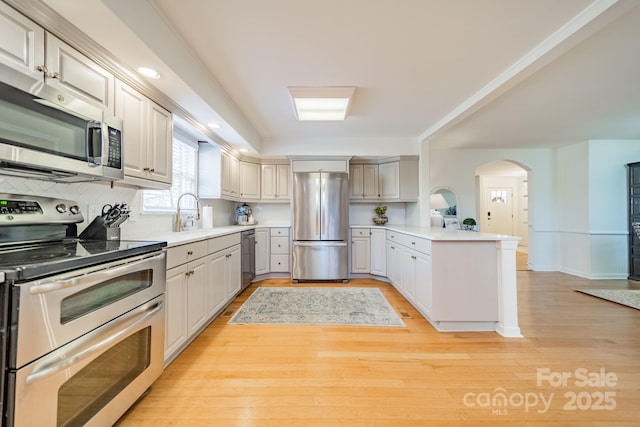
column 459, row 280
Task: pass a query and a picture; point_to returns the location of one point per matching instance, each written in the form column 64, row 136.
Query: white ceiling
column 463, row 73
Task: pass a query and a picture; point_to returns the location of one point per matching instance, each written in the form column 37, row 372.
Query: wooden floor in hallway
column 578, row 364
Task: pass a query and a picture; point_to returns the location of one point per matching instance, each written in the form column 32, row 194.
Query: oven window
column 104, row 294
column 95, row 385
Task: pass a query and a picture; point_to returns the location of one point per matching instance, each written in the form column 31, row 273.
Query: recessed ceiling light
column 149, row 72
column 213, row 125
column 321, row 103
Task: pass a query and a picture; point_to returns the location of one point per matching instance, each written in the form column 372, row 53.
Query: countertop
column 441, row 234
column 437, row 234
column 175, row 238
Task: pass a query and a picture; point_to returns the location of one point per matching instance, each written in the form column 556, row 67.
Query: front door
column 499, row 215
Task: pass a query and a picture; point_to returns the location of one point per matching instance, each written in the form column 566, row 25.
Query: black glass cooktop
column 30, row 261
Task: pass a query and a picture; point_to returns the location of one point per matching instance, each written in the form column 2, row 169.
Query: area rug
column 317, row 306
column 628, row 297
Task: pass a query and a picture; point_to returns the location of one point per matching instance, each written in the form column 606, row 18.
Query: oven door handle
column 97, row 276
column 93, row 342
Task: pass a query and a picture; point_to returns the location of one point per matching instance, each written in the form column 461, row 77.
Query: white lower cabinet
column 378, row 252
column 360, row 250
column 175, row 310
column 185, row 303
column 424, row 279
column 217, row 286
column 202, row 277
column 280, row 252
column 263, row 251
column 393, row 263
column 409, row 268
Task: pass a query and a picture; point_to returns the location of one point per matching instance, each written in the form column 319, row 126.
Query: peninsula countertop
column 440, row 234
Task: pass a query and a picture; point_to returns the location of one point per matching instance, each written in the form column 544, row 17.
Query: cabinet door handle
column 413, row 257
column 189, row 252
column 413, row 243
column 42, row 69
column 55, row 75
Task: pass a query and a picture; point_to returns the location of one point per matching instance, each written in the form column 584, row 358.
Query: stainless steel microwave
column 54, row 136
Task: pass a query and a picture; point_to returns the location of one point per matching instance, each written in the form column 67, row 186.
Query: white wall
column 455, row 169
column 577, row 201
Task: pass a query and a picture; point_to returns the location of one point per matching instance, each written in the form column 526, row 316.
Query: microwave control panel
column 114, row 154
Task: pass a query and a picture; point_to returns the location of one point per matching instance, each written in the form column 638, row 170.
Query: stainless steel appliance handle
column 98, row 276
column 320, row 243
column 92, row 343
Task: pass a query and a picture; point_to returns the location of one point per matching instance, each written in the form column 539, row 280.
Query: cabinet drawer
column 360, row 232
column 219, row 243
column 177, row 255
column 279, row 263
column 279, row 245
column 280, row 231
column 417, row 243
column 394, row 236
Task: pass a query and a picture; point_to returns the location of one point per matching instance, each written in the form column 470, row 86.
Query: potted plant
column 380, row 218
column 469, row 224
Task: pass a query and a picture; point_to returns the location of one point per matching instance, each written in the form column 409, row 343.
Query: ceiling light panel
column 321, row 103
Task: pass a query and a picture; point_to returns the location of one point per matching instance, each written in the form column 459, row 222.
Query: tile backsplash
column 91, row 196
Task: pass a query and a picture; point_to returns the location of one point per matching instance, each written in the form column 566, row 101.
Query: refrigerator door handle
column 319, row 243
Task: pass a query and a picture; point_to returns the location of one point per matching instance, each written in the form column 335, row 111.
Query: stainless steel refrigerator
column 320, row 220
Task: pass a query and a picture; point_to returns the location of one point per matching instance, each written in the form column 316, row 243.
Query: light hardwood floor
column 285, row 376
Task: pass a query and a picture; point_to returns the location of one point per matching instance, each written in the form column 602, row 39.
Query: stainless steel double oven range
column 81, row 321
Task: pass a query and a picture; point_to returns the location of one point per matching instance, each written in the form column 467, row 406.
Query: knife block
column 108, row 233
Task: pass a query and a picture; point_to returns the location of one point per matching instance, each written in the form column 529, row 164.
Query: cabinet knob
column 55, row 75
column 42, row 69
column 413, row 257
column 189, row 252
column 413, row 243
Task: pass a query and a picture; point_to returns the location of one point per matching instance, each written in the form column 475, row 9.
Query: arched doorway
column 503, row 203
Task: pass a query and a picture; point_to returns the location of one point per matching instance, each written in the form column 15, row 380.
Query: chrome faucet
column 179, row 224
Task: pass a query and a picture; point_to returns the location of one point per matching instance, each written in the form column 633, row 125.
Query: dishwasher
column 248, row 264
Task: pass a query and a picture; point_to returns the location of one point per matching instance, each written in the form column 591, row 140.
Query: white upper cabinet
column 21, row 43
column 230, row 180
column 275, row 182
column 74, row 73
column 41, row 57
column 364, row 182
column 147, row 133
column 249, row 181
column 390, row 180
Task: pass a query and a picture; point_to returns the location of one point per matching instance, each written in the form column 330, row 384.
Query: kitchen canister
column 207, row 217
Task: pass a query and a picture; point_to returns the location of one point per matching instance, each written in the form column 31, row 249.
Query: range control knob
column 61, row 208
column 75, row 209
